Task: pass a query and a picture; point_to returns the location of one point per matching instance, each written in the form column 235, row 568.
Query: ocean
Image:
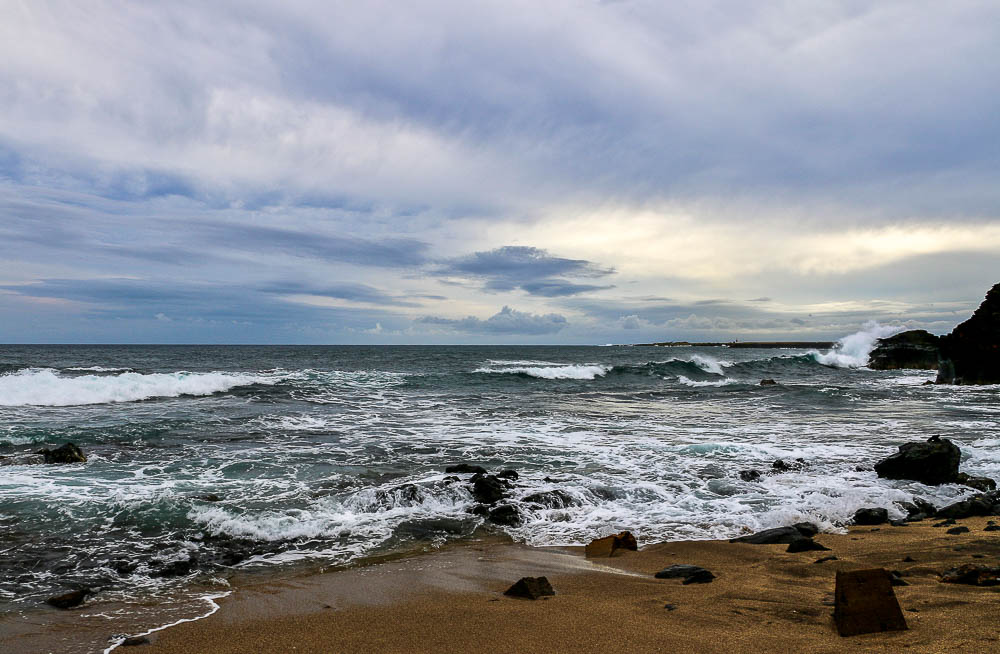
column 207, row 462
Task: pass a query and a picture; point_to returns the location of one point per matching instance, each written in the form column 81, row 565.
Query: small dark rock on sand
column 530, row 588
column 68, row 453
column 779, row 535
column 825, row 559
column 870, row 516
column 991, row 528
column 691, row 574
column 805, row 545
column 609, row 545
column 896, row 578
column 958, row 530
column 133, row 641
column 68, row 600
column 972, row 575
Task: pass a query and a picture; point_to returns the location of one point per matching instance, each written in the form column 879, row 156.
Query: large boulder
column 933, row 462
column 913, row 349
column 971, row 353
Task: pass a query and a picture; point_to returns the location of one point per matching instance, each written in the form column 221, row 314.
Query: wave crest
column 852, row 351
column 46, row 387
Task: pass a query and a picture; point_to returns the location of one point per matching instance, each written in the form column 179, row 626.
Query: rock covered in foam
column 970, row 354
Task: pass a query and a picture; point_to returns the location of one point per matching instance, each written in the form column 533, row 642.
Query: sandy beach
column 762, row 600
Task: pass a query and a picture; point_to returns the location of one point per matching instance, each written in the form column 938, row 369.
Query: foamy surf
column 852, row 351
column 47, row 387
column 582, row 372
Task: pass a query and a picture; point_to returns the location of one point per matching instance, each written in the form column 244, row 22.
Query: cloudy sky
column 494, row 172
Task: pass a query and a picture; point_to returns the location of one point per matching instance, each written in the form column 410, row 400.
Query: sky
column 567, row 172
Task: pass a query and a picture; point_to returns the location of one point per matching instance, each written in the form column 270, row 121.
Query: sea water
column 206, row 461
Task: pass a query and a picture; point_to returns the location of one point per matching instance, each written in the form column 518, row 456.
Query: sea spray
column 852, row 351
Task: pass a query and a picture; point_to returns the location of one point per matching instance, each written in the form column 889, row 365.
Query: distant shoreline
column 746, row 344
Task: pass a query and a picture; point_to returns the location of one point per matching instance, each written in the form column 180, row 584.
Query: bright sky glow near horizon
column 494, row 172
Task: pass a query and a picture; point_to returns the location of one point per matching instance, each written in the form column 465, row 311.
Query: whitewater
column 208, row 462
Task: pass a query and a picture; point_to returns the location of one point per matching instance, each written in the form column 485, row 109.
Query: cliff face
column 971, row 353
column 913, row 349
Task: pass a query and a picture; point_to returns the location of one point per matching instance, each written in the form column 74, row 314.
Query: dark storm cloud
column 506, row 321
column 530, row 269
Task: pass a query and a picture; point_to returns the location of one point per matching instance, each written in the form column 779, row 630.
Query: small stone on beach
column 691, row 574
column 530, row 588
column 958, row 530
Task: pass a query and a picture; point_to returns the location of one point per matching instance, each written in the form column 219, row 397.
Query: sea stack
column 971, row 353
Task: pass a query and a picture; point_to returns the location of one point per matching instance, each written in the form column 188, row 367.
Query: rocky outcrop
column 68, row 453
column 971, row 353
column 978, row 505
column 934, row 462
column 913, row 349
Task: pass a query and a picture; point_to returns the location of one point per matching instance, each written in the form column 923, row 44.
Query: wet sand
column 763, row 600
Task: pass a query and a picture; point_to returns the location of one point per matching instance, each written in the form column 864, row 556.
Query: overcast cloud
column 578, row 172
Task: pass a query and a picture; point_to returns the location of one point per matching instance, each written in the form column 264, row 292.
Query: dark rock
column 972, row 575
column 750, row 475
column 553, row 499
column 68, row 453
column 68, row 600
column 970, row 354
column 870, row 516
column 807, row 529
column 934, row 462
column 210, row 497
column 508, row 474
column 977, row 505
column 784, row 466
column 530, row 588
column 991, row 528
column 865, row 603
column 909, row 559
column 913, row 349
column 899, row 523
column 609, row 545
column 133, row 641
column 918, row 509
column 691, row 574
column 825, row 559
column 488, row 489
column 176, row 568
column 670, row 607
column 776, row 536
column 954, row 531
column 896, row 578
column 804, row 544
column 768, row 382
column 945, row 523
column 465, row 467
column 505, row 514
column 984, row 484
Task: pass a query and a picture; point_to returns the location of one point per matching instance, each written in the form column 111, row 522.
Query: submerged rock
column 916, row 349
column 507, row 515
column 488, row 489
column 68, row 600
column 984, row 484
column 768, row 382
column 553, row 499
column 750, row 475
column 933, row 462
column 68, row 453
column 530, row 588
column 970, row 354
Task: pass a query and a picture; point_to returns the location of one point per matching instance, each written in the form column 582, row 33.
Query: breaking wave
column 852, row 351
column 557, row 371
column 46, row 387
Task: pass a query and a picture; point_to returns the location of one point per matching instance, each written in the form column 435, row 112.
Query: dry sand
column 763, row 600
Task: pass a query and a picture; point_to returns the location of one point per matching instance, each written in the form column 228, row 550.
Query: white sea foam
column 46, row 387
column 692, row 382
column 708, row 364
column 98, row 369
column 852, row 351
column 583, row 371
